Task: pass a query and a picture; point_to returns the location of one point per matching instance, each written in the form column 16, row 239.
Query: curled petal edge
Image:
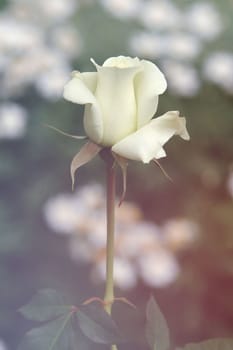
column 147, row 142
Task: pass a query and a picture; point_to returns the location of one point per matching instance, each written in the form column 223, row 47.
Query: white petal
column 146, row 143
column 93, row 123
column 90, row 80
column 121, row 62
column 116, row 96
column 149, row 83
column 80, row 90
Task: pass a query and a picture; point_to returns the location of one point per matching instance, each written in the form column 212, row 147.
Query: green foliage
column 157, row 332
column 60, row 332
column 54, row 335
column 63, row 332
column 97, row 325
column 45, row 305
column 73, row 324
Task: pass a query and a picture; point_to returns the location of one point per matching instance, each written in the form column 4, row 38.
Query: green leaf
column 55, row 335
column 97, row 325
column 211, row 344
column 44, row 306
column 157, row 332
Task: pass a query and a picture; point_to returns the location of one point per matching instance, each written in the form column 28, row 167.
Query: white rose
column 120, row 101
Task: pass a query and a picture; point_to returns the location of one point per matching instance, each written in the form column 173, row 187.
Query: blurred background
column 174, row 240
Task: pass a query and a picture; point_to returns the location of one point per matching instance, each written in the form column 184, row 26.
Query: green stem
column 109, row 287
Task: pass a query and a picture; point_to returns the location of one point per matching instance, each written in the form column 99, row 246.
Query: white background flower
column 159, row 268
column 143, row 250
column 182, row 33
column 125, row 276
column 160, row 14
column 203, row 19
column 122, row 8
column 62, row 213
column 13, row 121
column 147, row 44
column 218, row 68
column 182, row 46
column 183, row 78
column 37, row 38
column 2, row 345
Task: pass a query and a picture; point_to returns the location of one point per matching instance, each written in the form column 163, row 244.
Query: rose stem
column 109, row 287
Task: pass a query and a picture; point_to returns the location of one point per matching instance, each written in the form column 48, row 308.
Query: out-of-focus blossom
column 146, row 44
column 67, row 39
column 179, row 233
column 28, row 69
column 44, row 11
column 177, row 45
column 159, row 268
column 23, row 10
column 137, row 238
column 97, row 233
column 2, row 345
column 160, row 14
column 63, row 212
column 125, row 276
column 128, row 213
column 50, row 84
column 81, row 250
column 13, row 121
column 203, row 19
column 182, row 78
column 15, row 37
column 93, row 195
column 182, row 46
column 142, row 249
column 178, row 35
column 218, row 68
column 122, row 8
column 57, row 9
column 37, row 44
